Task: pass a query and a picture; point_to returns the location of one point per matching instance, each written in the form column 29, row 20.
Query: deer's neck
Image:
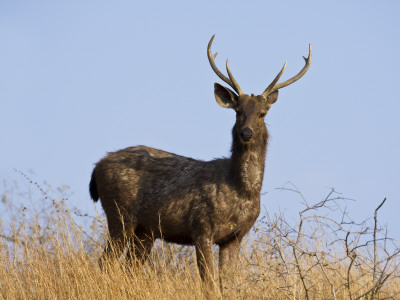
column 247, row 164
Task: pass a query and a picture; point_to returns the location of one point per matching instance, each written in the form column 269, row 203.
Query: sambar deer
column 148, row 193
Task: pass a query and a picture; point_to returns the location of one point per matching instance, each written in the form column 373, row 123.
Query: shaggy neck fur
column 248, row 162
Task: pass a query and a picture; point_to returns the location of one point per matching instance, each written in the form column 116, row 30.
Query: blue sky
column 79, row 79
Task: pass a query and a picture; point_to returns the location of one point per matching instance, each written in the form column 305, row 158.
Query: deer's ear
column 224, row 96
column 271, row 98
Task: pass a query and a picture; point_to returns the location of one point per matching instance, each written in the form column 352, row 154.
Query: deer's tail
column 93, row 188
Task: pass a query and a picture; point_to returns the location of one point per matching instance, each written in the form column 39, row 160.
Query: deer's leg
column 140, row 246
column 120, row 230
column 228, row 262
column 205, row 259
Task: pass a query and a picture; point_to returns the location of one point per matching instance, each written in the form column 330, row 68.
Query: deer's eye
column 262, row 115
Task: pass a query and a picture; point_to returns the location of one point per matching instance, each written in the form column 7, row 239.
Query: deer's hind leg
column 140, row 245
column 121, row 228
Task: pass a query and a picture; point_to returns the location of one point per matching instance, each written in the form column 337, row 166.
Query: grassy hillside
column 51, row 253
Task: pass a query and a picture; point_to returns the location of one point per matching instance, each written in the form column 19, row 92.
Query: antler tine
column 231, row 80
column 273, row 87
column 272, row 84
column 236, row 85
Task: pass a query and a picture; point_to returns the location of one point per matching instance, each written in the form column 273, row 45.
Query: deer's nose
column 246, row 134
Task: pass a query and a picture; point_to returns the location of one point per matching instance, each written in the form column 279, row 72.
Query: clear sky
column 81, row 78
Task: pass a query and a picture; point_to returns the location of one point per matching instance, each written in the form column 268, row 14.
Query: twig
column 375, row 229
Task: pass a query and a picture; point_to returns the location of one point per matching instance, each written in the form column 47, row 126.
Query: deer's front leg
column 205, row 259
column 228, row 262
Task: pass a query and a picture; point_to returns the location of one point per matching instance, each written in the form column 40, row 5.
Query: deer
column 150, row 194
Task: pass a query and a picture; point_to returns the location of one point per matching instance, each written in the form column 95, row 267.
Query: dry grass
column 317, row 257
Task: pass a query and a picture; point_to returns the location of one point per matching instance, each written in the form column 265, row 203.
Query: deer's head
column 250, row 110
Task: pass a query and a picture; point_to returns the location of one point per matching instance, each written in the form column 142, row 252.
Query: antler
column 231, row 80
column 274, row 87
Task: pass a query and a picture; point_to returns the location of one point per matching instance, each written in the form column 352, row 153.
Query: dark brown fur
column 148, row 193
column 182, row 200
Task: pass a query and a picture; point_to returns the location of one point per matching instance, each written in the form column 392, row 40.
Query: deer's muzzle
column 246, row 134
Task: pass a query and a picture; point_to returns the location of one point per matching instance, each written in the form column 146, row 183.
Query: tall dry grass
column 48, row 254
